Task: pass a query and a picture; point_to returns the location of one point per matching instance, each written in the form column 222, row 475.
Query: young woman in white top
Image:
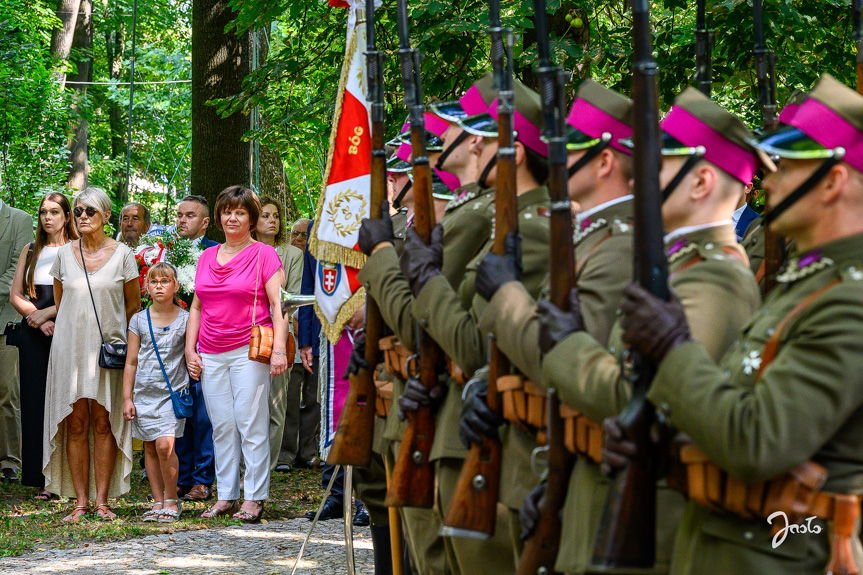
column 32, row 296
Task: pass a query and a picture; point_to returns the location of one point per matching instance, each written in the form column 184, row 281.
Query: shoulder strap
column 257, row 279
column 89, row 289
column 159, row 357
column 772, row 346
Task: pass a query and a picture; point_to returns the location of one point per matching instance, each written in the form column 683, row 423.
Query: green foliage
column 34, row 114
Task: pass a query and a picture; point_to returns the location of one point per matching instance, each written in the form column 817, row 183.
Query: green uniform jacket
column 753, row 243
column 16, row 231
column 455, row 326
column 467, row 225
column 603, row 256
column 719, row 294
column 807, row 405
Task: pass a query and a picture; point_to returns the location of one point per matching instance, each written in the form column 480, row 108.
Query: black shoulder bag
column 111, row 355
column 13, row 328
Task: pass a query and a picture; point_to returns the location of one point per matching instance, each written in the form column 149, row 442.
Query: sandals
column 214, row 511
column 153, row 513
column 247, row 517
column 43, row 495
column 106, row 514
column 75, row 517
column 170, row 515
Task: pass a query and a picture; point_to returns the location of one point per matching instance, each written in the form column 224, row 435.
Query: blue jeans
column 195, row 448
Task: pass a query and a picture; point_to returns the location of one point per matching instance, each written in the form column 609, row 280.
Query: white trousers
column 237, row 395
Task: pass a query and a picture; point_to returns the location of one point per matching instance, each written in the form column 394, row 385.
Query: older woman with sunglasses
column 82, row 397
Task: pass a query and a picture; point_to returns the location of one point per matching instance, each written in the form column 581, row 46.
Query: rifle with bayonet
column 857, row 36
column 352, row 444
column 540, row 551
column 412, row 482
column 473, row 509
column 703, row 49
column 765, row 71
column 627, row 531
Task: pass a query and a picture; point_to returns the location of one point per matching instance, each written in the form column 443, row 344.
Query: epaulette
column 800, row 267
column 851, row 273
column 588, row 229
column 619, row 227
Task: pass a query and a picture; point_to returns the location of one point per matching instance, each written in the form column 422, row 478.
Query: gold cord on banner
column 346, row 312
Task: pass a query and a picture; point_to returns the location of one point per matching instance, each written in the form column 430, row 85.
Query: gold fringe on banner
column 346, row 312
column 328, row 251
column 323, row 250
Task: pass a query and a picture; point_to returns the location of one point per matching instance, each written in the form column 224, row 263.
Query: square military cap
column 475, row 101
column 598, row 114
column 441, row 182
column 827, row 124
column 527, row 118
column 698, row 125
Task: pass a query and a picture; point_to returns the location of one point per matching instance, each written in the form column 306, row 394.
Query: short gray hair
column 93, row 198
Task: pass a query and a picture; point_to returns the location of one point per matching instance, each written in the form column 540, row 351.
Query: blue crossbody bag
column 182, row 400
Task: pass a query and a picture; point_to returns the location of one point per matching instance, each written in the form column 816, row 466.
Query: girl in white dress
column 146, row 396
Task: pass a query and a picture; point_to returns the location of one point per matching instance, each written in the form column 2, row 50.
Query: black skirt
column 34, row 349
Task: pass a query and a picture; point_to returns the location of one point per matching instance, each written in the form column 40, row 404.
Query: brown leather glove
column 374, row 232
column 616, row 449
column 417, row 395
column 555, row 324
column 651, row 326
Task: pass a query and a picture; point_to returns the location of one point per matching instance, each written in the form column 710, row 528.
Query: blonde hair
column 93, row 198
column 161, row 270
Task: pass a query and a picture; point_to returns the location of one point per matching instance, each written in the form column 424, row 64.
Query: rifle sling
column 484, row 175
column 397, row 202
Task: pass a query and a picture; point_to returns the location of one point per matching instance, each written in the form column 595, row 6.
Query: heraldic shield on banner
column 345, row 198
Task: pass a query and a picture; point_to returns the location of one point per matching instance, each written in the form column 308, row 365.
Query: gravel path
column 266, row 549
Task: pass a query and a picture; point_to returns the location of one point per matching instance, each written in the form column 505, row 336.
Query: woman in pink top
column 236, row 389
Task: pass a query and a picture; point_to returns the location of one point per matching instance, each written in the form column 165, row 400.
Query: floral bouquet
column 182, row 253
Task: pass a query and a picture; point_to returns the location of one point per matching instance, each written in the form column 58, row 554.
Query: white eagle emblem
column 751, row 362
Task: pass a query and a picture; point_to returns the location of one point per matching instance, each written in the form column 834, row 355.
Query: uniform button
column 367, row 285
column 769, row 332
column 708, row 245
column 424, row 322
column 749, row 535
column 665, row 408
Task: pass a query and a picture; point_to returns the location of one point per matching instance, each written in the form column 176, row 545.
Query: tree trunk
column 272, row 170
column 78, row 151
column 62, row 38
column 114, row 50
column 220, row 62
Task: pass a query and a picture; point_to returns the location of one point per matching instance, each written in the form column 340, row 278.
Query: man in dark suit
column 195, row 448
column 744, row 215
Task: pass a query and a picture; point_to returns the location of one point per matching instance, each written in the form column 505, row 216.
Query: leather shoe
column 282, row 468
column 198, row 493
column 9, row 475
column 182, row 490
column 361, row 517
column 331, row 510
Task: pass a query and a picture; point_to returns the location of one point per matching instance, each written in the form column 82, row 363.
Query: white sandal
column 153, row 513
column 170, row 515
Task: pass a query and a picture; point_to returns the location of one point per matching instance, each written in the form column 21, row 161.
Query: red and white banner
column 345, row 198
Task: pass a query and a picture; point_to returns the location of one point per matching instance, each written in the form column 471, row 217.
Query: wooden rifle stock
column 473, row 509
column 352, row 444
column 540, row 551
column 774, row 245
column 627, row 530
column 412, row 482
column 703, row 50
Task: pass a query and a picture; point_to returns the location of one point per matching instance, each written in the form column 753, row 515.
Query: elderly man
column 134, row 222
column 299, row 233
column 16, row 230
column 302, row 420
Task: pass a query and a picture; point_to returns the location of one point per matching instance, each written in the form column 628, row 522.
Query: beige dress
column 73, row 368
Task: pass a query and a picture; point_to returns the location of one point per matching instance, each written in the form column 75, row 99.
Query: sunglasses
column 89, row 211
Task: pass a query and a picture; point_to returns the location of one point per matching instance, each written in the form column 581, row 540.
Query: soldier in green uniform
column 467, row 224
column 706, row 163
column 450, row 315
column 789, row 390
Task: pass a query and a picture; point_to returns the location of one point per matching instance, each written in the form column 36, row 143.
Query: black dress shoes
column 331, row 510
column 361, row 517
